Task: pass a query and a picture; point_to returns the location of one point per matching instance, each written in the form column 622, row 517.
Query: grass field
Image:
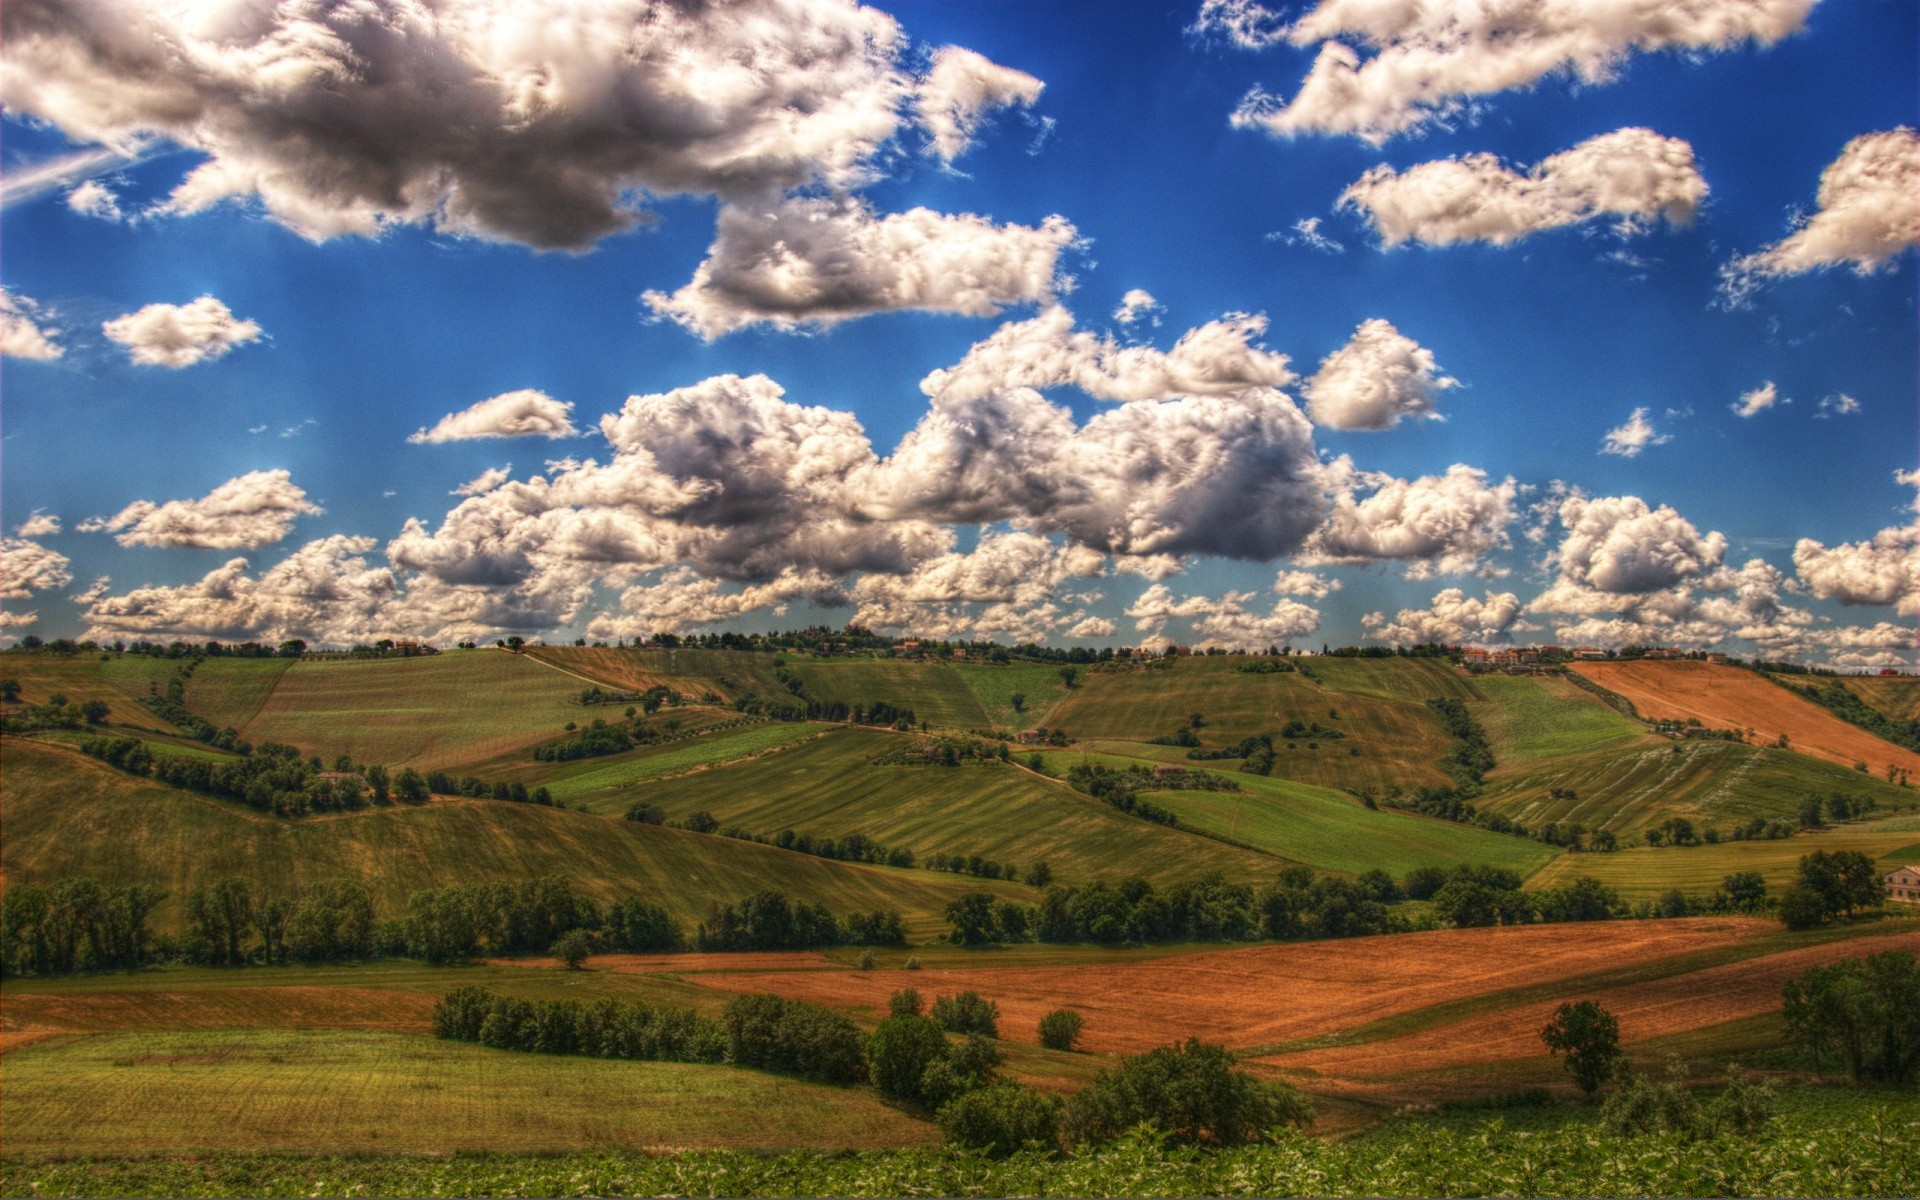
column 1644, row 871
column 335, row 1092
column 729, row 674
column 830, row 787
column 933, row 690
column 229, row 692
column 994, row 686
column 1398, row 739
column 1418, row 679
column 607, row 785
column 1708, row 781
column 1332, row 832
column 68, row 815
column 84, row 677
column 1529, row 719
column 450, row 710
column 1895, row 696
column 1734, row 698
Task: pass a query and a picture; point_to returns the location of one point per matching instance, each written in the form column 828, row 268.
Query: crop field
column 1417, row 679
column 830, row 787
column 1531, row 718
column 82, row 677
column 727, row 673
column 229, row 692
column 995, row 685
column 1894, row 696
column 288, row 1090
column 68, row 815
column 1708, row 781
column 1645, row 871
column 1398, row 740
column 445, row 711
column 607, row 785
column 1270, row 995
column 1734, row 698
column 933, row 690
column 1648, row 1009
column 1332, row 832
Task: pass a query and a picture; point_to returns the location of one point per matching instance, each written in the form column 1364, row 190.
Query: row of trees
column 76, row 925
column 273, row 779
column 769, row 920
column 443, row 784
column 1120, row 786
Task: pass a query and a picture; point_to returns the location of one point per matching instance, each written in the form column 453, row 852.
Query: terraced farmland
column 607, row 785
column 726, row 673
column 68, row 815
column 830, row 787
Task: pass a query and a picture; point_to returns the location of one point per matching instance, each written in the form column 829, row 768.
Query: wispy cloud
column 34, row 180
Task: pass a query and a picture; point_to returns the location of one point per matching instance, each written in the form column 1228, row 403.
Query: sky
column 1584, row 322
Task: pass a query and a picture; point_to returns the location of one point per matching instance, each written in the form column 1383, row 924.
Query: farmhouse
column 1904, row 884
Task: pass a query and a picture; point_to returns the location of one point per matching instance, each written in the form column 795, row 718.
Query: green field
column 933, row 690
column 830, row 787
column 1708, row 781
column 606, row 785
column 1532, row 718
column 120, row 680
column 1398, row 739
column 1392, row 678
column 1644, row 871
column 371, row 1092
column 728, row 674
column 1333, row 832
column 229, row 692
column 448, row 710
column 68, row 815
column 1893, row 696
column 995, row 685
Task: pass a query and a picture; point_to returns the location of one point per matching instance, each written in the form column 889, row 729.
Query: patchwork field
column 830, row 787
column 1708, row 781
column 1734, row 698
column 69, row 815
column 1534, row 718
column 609, row 784
column 933, row 690
column 1895, row 696
column 230, row 692
column 726, row 673
column 995, row 685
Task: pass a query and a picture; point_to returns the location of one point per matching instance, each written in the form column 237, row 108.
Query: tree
column 972, row 919
column 1830, row 884
column 1039, row 875
column 1060, row 1029
column 1746, row 891
column 10, row 690
column 1019, row 702
column 1864, row 1010
column 967, row 1013
column 899, row 1052
column 905, row 1003
column 94, row 712
column 379, row 783
column 1068, row 676
column 1192, row 1091
column 1589, row 1037
column 1002, row 1119
column 573, row 948
column 410, row 787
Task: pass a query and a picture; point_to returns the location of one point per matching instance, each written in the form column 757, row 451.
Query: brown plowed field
column 1261, row 995
column 1647, row 1010
column 1733, row 698
column 38, row 1014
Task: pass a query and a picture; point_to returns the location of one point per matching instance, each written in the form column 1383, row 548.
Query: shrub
column 573, row 948
column 865, row 962
column 1002, row 1119
column 1060, row 1029
column 1192, row 1091
column 793, row 1037
column 1864, row 1011
column 905, row 1003
column 972, row 1064
column 899, row 1052
column 967, row 1013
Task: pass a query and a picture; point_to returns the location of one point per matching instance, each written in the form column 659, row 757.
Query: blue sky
column 1554, row 323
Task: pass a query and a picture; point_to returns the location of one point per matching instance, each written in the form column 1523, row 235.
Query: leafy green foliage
column 1191, row 1092
column 1002, row 1119
column 1060, row 1029
column 1588, row 1037
column 794, row 1038
column 1863, row 1011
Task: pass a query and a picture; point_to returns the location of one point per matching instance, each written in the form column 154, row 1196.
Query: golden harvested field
column 1734, row 698
column 1263, row 995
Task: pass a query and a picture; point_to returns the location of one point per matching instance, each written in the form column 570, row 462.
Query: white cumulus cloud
column 38, row 524
column 1429, row 60
column 94, row 199
column 27, row 567
column 1436, row 524
column 1635, row 435
column 244, row 513
column 522, row 413
column 22, row 334
column 1633, row 175
column 1377, row 378
column 180, row 335
column 960, row 88
column 1138, row 305
column 1453, row 617
column 1839, row 404
column 1758, row 400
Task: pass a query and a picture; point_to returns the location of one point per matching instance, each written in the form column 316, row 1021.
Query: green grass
column 1631, row 787
column 1644, row 871
column 606, row 785
column 727, row 673
column 231, row 691
column 933, row 690
column 357, row 1091
column 1896, row 697
column 450, row 710
column 1398, row 739
column 994, row 687
column 67, row 815
column 830, row 787
column 1529, row 719
column 1419, row 679
column 120, row 681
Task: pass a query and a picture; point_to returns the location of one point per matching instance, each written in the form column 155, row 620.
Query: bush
column 1002, row 1119
column 573, row 948
column 899, row 1052
column 1060, row 1029
column 972, row 1064
column 1863, row 1011
column 1193, row 1092
column 967, row 1013
column 905, row 1003
column 793, row 1037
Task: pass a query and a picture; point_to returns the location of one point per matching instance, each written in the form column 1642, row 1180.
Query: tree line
column 273, row 778
column 1120, row 786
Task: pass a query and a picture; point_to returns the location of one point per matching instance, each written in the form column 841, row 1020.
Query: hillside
column 1735, row 698
column 1896, row 696
column 68, row 815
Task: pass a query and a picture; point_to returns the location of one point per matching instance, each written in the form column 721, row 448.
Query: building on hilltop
column 1904, row 885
